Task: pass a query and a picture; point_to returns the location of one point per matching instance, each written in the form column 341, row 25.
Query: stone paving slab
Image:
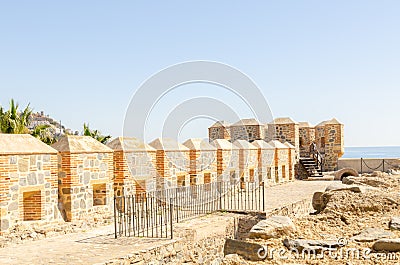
column 99, row 245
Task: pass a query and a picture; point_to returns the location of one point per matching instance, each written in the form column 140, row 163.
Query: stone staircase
column 311, row 166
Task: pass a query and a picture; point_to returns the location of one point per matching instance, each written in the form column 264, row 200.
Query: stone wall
column 134, row 172
column 248, row 161
column 220, row 132
column 203, row 166
column 284, row 130
column 246, row 132
column 28, row 189
column 265, row 160
column 200, row 241
column 334, row 144
column 170, row 166
column 306, row 138
column 291, row 160
column 85, row 184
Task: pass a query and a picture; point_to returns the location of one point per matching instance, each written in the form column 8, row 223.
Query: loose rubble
column 357, row 213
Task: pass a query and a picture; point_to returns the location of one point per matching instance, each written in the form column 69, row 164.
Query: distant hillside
column 57, row 129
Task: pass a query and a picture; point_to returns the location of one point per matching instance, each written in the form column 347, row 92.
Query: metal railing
column 382, row 166
column 152, row 214
column 316, row 155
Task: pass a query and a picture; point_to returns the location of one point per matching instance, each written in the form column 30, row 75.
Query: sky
column 82, row 61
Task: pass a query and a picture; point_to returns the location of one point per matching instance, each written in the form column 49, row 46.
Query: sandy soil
column 346, row 214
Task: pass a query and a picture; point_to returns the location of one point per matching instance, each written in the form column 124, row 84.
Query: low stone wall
column 198, row 241
column 294, row 210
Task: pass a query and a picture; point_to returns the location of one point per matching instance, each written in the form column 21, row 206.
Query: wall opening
column 283, row 171
column 207, row 180
column 193, row 183
column 251, row 175
column 99, row 194
column 32, row 205
column 269, row 173
column 181, row 180
column 277, row 174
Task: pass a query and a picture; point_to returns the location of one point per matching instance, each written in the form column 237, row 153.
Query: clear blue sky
column 81, row 61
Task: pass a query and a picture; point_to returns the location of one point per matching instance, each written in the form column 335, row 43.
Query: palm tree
column 13, row 121
column 95, row 134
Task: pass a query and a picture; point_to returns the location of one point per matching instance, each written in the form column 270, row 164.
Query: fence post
column 361, row 168
column 170, row 217
column 115, row 217
column 383, row 165
column 220, row 195
column 263, row 194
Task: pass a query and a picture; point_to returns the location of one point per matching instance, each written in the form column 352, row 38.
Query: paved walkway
column 99, row 245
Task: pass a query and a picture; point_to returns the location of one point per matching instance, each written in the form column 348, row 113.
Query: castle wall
column 266, row 166
column 28, row 189
column 203, row 166
column 246, row 132
column 285, row 132
column 134, row 172
column 306, row 138
column 218, row 133
column 85, row 183
column 172, row 168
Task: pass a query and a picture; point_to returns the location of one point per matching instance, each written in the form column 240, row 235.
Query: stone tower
column 284, row 130
column 219, row 130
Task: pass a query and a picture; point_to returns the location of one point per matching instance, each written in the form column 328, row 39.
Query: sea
column 372, row 152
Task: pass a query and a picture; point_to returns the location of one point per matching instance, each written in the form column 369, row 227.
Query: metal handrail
column 316, row 155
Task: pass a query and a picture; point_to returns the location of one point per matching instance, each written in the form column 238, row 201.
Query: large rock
column 372, row 234
column 249, row 251
column 312, row 245
column 394, row 223
column 391, row 245
column 273, row 227
column 345, row 172
column 354, row 188
column 318, row 201
column 340, row 186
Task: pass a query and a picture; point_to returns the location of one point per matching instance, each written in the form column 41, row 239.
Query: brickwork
column 248, row 158
column 291, row 160
column 265, row 161
column 203, row 161
column 85, row 177
column 28, row 181
column 134, row 166
column 172, row 160
column 227, row 160
column 281, row 161
column 328, row 137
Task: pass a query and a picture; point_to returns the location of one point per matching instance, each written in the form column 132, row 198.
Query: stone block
column 394, row 223
column 32, row 180
column 249, row 251
column 273, row 227
column 23, row 165
column 371, row 234
column 390, row 245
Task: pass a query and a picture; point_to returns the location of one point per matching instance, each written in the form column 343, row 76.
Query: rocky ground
column 349, row 218
column 23, row 232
